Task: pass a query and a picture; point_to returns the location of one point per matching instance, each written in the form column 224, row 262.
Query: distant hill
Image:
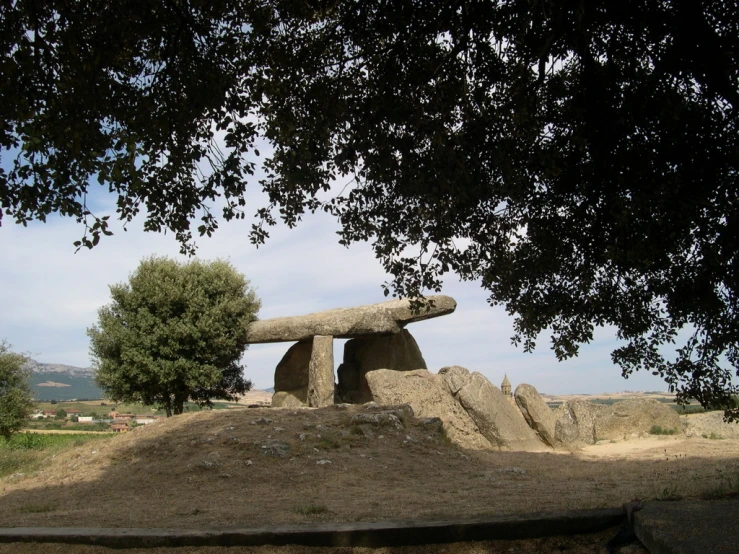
column 38, row 367
column 62, row 382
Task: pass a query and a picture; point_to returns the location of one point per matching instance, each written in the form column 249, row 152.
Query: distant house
column 124, row 417
column 119, row 427
column 49, row 413
column 84, row 419
column 146, row 419
column 72, row 413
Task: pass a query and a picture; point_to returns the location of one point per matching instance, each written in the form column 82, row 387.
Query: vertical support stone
column 321, row 372
column 291, row 377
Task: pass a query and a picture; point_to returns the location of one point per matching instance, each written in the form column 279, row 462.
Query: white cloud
column 50, row 295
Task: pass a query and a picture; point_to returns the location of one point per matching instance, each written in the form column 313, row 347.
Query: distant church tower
column 505, row 386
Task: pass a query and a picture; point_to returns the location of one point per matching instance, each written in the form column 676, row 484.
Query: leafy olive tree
column 175, row 331
column 16, row 397
column 579, row 159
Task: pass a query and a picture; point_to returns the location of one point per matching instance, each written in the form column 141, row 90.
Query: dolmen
column 379, row 340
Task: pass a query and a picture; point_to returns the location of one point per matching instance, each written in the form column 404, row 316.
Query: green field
column 101, row 409
column 25, row 452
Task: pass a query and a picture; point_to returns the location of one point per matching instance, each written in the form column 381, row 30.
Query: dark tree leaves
column 578, row 158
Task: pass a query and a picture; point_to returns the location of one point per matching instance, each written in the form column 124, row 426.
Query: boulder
column 290, row 399
column 635, row 415
column 291, row 374
column 497, row 419
column 399, row 352
column 566, row 432
column 577, row 422
column 321, row 373
column 455, row 377
column 384, row 318
column 537, row 414
column 429, row 397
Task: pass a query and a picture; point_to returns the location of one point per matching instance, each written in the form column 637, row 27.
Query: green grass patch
column 52, row 425
column 311, row 509
column 24, row 452
column 659, row 430
column 37, row 508
column 713, row 436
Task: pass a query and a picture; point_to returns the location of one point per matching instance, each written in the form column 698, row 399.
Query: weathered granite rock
column 384, row 318
column 582, row 415
column 292, row 371
column 566, row 432
column 399, row 352
column 290, row 399
column 635, row 415
column 496, row 417
column 455, row 377
column 321, row 373
column 381, row 419
column 537, row 414
column 429, row 396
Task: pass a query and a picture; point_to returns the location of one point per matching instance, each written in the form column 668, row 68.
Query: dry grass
column 210, row 469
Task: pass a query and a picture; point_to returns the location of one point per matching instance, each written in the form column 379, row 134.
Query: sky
column 49, row 296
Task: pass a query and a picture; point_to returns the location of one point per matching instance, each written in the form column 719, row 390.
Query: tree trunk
column 179, row 402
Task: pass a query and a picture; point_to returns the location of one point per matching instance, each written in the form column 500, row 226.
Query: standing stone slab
column 499, row 421
column 537, row 414
column 291, row 377
column 399, row 352
column 321, row 373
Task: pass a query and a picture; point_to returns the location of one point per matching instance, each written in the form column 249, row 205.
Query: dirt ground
column 255, row 467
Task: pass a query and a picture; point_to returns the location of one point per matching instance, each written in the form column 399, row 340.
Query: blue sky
column 50, row 295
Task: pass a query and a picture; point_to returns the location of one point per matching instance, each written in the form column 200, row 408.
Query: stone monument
column 305, row 375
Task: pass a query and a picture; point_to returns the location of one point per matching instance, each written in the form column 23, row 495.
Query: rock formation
column 305, row 375
column 385, row 318
column 399, row 352
column 291, row 375
column 582, row 422
column 429, row 397
column 321, row 372
column 474, row 412
column 576, row 422
column 635, row 415
column 497, row 419
column 537, row 414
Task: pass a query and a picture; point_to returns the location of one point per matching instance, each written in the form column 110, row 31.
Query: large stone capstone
column 385, row 318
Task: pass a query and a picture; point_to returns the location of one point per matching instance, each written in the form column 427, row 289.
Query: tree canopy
column 578, row 158
column 175, row 332
column 16, row 397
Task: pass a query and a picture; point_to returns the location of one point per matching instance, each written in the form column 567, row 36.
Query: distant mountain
column 38, row 367
column 62, row 382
